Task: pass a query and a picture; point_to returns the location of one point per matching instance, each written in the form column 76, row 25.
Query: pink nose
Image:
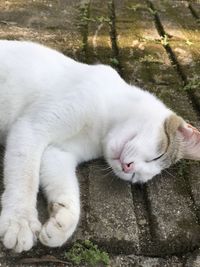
column 128, row 167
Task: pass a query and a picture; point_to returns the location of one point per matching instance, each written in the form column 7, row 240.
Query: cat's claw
column 19, row 233
column 59, row 227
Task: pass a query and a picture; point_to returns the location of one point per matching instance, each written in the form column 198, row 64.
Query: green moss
column 87, row 253
column 151, row 59
column 188, row 42
column 193, row 84
column 84, row 13
column 164, row 40
column 153, row 12
column 102, row 19
column 114, row 61
column 137, row 7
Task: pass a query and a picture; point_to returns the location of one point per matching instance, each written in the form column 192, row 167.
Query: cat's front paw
column 19, row 232
column 60, row 226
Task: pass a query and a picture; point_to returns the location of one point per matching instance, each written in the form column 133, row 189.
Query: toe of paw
column 9, row 241
column 65, row 219
column 10, row 237
column 19, row 234
column 23, row 245
column 21, row 240
column 51, row 236
column 4, row 224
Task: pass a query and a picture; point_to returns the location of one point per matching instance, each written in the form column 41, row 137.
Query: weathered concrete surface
column 107, row 210
column 53, row 23
column 139, row 261
column 184, row 39
column 188, row 260
column 159, row 219
column 99, row 43
column 193, row 260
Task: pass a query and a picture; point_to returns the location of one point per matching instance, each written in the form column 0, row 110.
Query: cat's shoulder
column 29, row 49
column 25, row 45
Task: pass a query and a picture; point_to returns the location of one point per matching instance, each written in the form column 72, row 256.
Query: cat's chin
column 128, row 177
column 134, row 178
column 141, row 179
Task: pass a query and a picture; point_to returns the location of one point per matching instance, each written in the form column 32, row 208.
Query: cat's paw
column 60, row 226
column 19, row 233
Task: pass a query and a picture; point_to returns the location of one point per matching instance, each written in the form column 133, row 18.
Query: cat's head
column 137, row 154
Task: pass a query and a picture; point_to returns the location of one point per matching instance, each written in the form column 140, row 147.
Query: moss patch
column 193, row 84
column 87, row 253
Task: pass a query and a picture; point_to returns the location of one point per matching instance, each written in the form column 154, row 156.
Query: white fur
column 54, row 114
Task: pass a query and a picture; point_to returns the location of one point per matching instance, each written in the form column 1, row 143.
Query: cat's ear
column 190, row 137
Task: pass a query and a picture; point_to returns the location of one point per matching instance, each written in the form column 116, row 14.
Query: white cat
column 56, row 113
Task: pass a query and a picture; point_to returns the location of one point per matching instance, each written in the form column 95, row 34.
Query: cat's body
column 56, row 113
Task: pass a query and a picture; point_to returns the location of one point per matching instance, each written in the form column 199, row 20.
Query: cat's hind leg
column 60, row 185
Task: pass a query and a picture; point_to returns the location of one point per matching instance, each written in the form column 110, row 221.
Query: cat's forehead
column 159, row 137
column 148, row 141
column 169, row 143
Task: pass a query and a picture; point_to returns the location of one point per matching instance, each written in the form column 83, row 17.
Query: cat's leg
column 19, row 224
column 50, row 122
column 59, row 182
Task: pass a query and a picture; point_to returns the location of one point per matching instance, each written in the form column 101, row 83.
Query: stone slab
column 53, row 23
column 140, row 261
column 134, row 41
column 115, row 261
column 184, row 32
column 99, row 42
column 174, row 225
column 194, row 7
column 193, row 259
column 111, row 220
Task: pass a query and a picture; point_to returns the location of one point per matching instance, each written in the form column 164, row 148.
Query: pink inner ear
column 191, row 141
column 188, row 131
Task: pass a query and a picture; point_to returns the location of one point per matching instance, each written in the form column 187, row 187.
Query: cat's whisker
column 102, row 169
column 107, row 168
column 111, row 182
column 99, row 165
column 108, row 173
column 169, row 173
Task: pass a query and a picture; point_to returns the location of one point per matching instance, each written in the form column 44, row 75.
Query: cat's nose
column 128, row 167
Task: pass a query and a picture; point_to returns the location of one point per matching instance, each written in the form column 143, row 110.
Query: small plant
column 152, row 11
column 188, row 42
column 103, row 19
column 164, row 40
column 150, row 58
column 136, row 7
column 87, row 253
column 114, row 61
column 193, row 84
column 84, row 14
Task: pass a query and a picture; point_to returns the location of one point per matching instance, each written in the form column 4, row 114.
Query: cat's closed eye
column 160, row 156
